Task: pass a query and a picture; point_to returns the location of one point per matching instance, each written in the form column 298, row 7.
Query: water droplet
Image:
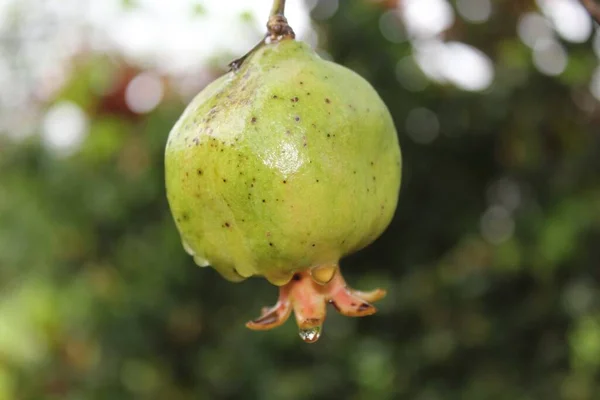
column 188, row 248
column 201, row 261
column 279, row 279
column 310, row 335
column 323, row 274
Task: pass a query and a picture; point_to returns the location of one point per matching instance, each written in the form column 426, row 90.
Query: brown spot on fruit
column 266, row 319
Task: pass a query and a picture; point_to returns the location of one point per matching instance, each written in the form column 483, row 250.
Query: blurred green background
column 492, row 261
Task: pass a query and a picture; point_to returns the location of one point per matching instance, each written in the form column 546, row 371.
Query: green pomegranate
column 279, row 169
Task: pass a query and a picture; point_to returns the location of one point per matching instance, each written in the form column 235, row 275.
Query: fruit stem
column 277, row 29
column 278, row 7
column 277, row 25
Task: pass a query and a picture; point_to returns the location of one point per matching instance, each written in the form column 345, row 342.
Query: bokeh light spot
column 391, row 28
column 410, row 76
column 550, row 57
column 325, row 9
column 426, row 18
column 422, row 125
column 497, row 225
column 533, row 27
column 467, row 67
column 595, row 84
column 570, row 20
column 64, row 128
column 506, row 193
column 475, row 11
column 144, row 93
column 458, row 63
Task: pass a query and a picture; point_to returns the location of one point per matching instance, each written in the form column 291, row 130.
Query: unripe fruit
column 279, row 169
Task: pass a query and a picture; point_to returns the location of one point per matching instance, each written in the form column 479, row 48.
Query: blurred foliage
column 98, row 300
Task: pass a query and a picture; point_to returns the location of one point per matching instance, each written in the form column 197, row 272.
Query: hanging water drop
column 201, row 261
column 310, row 335
column 323, row 274
column 188, row 249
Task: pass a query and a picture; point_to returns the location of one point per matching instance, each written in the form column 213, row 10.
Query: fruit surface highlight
column 280, row 168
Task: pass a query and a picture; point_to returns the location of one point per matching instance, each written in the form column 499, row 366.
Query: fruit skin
column 288, row 163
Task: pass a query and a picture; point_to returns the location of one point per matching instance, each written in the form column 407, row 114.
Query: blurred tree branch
column 592, row 8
